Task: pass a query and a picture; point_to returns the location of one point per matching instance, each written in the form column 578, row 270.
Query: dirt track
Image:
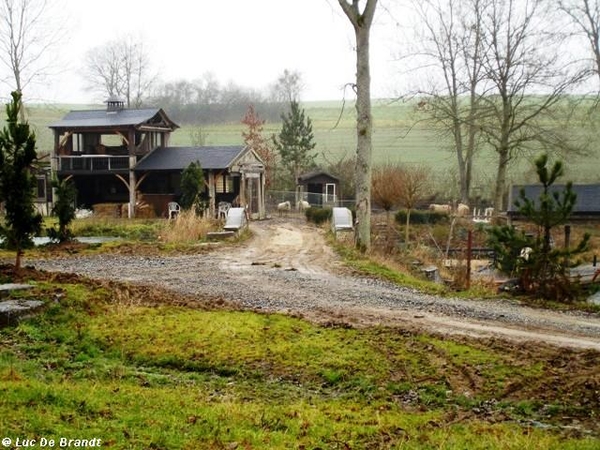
column 287, row 266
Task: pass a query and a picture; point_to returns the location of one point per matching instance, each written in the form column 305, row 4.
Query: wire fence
column 296, row 199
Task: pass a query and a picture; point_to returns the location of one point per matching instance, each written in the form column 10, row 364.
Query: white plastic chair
column 173, row 209
column 223, row 208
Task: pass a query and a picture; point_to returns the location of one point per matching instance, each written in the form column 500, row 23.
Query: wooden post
column 132, row 163
column 54, row 165
column 250, row 196
column 243, row 201
column 469, row 255
column 211, row 193
column 567, row 236
column 261, row 199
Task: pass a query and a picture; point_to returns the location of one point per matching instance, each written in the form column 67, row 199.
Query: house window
column 224, row 184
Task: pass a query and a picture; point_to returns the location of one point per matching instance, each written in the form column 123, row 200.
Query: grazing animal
column 302, row 205
column 440, row 208
column 462, row 210
column 284, row 207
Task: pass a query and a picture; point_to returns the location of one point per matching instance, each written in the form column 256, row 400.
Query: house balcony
column 93, row 164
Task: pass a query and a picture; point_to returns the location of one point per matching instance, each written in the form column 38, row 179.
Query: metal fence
column 274, row 198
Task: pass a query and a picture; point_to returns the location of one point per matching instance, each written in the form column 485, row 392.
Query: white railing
column 92, row 163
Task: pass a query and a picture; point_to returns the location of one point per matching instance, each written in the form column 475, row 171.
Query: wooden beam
column 64, row 139
column 118, row 133
column 139, row 182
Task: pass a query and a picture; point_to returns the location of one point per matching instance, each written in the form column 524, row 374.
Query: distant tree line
column 196, row 103
column 206, row 101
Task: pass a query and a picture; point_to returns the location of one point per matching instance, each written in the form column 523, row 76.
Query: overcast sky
column 247, row 42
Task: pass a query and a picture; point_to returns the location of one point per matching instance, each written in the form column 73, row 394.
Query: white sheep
column 462, row 210
column 302, row 205
column 440, row 208
column 284, row 207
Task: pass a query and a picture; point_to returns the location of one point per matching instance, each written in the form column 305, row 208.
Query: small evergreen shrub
column 318, row 215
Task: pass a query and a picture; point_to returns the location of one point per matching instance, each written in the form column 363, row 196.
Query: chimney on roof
column 114, row 104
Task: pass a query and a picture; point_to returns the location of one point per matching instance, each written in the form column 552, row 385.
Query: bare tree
column 25, row 42
column 585, row 15
column 361, row 22
column 451, row 46
column 254, row 139
column 120, row 68
column 343, row 168
column 414, row 185
column 526, row 80
column 386, row 186
column 288, row 87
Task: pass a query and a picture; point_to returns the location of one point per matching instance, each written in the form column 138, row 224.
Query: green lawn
column 101, row 363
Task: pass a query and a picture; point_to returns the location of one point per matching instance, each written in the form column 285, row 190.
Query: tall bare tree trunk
column 362, row 26
column 503, row 159
column 364, row 145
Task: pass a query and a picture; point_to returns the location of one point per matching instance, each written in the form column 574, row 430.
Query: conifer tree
column 17, row 183
column 295, row 143
column 192, row 186
column 63, row 209
column 541, row 268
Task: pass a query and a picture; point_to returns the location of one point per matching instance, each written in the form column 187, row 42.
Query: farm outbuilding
column 587, row 206
column 117, row 155
column 318, row 188
column 233, row 174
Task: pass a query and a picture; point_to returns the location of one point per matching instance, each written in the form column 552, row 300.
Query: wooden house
column 114, row 155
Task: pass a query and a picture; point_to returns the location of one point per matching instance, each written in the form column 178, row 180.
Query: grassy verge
column 375, row 267
column 186, row 234
column 105, row 361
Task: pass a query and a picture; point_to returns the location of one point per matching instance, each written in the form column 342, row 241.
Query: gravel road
column 288, row 267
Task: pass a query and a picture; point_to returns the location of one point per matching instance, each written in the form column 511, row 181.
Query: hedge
column 421, row 217
column 318, row 215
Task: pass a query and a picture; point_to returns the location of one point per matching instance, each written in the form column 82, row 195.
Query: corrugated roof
column 178, row 158
column 104, row 118
column 588, row 196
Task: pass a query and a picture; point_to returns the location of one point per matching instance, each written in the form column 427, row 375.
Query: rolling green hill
column 397, row 136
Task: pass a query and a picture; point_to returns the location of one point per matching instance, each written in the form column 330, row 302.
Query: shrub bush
column 421, row 217
column 318, row 215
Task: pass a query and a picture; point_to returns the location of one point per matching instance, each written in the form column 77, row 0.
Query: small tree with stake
column 540, row 268
column 17, row 183
column 64, row 210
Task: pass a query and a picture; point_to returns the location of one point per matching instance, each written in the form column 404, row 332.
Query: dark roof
column 178, row 158
column 316, row 174
column 588, row 196
column 101, row 118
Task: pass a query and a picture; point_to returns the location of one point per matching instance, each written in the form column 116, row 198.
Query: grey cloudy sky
column 247, row 42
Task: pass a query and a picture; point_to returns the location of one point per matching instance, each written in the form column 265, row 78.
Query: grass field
column 122, row 364
column 397, row 136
